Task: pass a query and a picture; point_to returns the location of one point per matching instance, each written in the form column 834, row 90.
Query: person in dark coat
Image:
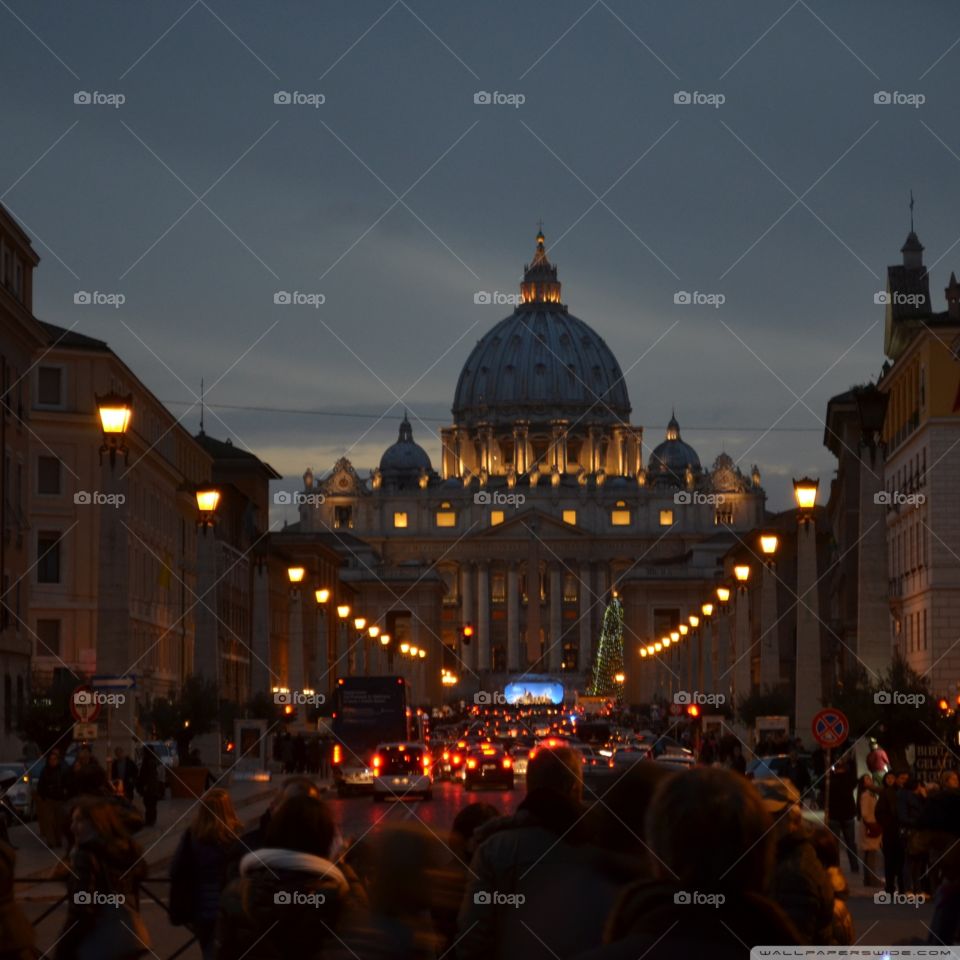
column 150, row 785
column 711, row 853
column 842, row 815
column 541, row 856
column 53, row 791
column 17, row 941
column 123, row 773
column 200, row 867
column 887, row 817
column 103, row 887
column 290, row 899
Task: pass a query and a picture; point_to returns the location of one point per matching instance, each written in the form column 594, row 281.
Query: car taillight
column 507, row 763
column 457, row 759
column 377, row 761
column 426, row 760
column 533, row 753
column 446, row 755
column 337, row 753
column 471, row 764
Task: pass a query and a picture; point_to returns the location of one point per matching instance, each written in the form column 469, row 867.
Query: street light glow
column 296, row 574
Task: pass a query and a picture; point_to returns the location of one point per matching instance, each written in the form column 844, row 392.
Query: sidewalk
column 36, row 861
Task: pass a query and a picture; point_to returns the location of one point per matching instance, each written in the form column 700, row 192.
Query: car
column 488, row 765
column 166, row 751
column 626, row 755
column 402, row 770
column 16, row 792
column 679, row 760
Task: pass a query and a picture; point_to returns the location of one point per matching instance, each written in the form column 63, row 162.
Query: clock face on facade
column 343, row 481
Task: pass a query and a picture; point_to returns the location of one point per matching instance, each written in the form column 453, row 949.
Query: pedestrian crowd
column 667, row 863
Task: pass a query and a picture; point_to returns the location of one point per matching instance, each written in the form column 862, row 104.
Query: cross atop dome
column 540, row 283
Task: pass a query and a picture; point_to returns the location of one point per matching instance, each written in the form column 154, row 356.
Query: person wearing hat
column 800, row 884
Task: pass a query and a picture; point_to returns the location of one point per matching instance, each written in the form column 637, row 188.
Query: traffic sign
column 830, row 728
column 84, row 704
column 84, row 731
column 105, row 682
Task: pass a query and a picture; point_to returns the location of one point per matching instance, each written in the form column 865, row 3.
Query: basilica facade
column 541, row 499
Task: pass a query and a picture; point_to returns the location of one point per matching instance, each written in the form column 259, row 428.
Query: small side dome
column 672, row 458
column 405, row 457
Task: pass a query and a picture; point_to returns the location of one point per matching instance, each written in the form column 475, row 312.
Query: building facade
column 21, row 337
column 545, row 500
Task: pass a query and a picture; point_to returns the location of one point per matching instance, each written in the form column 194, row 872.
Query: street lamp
column 421, row 653
column 659, row 646
column 360, row 622
column 619, row 678
column 723, row 594
column 742, row 572
column 115, row 411
column 805, row 493
column 296, row 574
column 666, row 641
column 374, row 631
column 674, row 635
column 684, row 629
column 322, row 595
column 643, row 652
column 404, row 648
column 694, row 621
column 707, row 609
column 769, row 542
column 208, row 499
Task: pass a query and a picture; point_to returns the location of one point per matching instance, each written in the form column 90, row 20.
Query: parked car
column 401, row 770
column 488, row 765
column 17, row 796
column 166, row 751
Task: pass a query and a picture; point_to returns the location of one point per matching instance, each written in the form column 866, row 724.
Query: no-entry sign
column 830, row 728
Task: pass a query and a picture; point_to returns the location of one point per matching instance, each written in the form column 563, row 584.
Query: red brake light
column 507, row 763
column 337, row 753
column 457, row 759
column 377, row 761
column 471, row 764
column 426, row 760
column 446, row 754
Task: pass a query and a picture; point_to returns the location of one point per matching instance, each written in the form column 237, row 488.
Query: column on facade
column 467, row 652
column 874, row 642
column 295, row 643
column 321, row 677
column 585, row 614
column 521, row 459
column 261, row 676
column 483, row 617
column 742, row 646
column 809, row 680
column 769, row 633
column 555, row 655
column 707, row 654
column 724, row 668
column 513, row 617
column 206, row 644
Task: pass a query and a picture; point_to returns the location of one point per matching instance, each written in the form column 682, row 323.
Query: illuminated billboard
column 533, row 692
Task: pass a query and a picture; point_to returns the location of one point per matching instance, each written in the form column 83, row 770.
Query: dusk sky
column 399, row 198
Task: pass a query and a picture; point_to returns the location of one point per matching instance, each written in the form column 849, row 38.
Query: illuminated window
column 445, row 516
column 400, row 519
column 496, row 516
column 620, row 515
column 666, row 518
column 570, row 516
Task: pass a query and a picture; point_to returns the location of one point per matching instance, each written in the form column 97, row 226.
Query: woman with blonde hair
column 200, row 866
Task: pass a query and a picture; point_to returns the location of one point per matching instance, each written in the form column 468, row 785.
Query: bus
column 366, row 711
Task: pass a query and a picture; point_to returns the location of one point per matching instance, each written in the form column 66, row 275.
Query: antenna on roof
column 201, row 405
column 911, row 211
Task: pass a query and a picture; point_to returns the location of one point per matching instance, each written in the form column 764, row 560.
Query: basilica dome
column 673, row 457
column 405, row 458
column 541, row 363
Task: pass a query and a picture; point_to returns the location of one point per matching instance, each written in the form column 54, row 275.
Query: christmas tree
column 609, row 661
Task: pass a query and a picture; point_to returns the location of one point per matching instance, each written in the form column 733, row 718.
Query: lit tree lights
column 608, row 666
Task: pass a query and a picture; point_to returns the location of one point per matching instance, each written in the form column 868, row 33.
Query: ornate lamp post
column 356, row 654
column 115, row 411
column 343, row 643
column 206, row 647
column 321, row 646
column 809, row 680
column 295, row 676
column 742, row 653
column 769, row 643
